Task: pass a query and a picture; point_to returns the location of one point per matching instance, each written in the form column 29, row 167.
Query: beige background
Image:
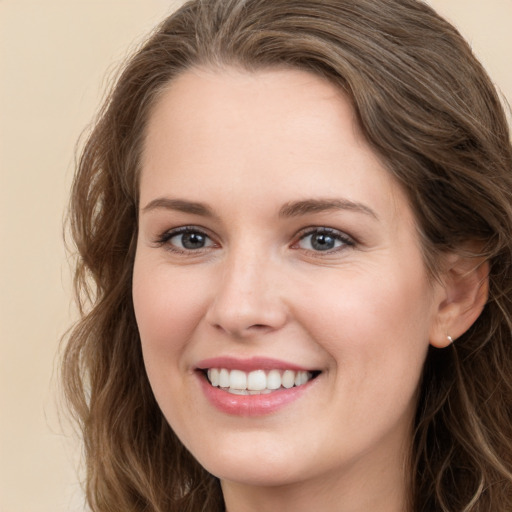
column 54, row 60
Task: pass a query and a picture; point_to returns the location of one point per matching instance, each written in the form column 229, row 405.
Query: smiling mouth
column 257, row 382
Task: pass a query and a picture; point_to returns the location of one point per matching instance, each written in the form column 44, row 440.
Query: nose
column 248, row 301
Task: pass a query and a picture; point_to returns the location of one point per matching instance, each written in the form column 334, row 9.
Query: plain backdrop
column 55, row 60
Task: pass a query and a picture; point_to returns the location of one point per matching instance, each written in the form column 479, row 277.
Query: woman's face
column 274, row 251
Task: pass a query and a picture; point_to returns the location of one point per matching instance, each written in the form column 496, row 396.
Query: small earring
column 450, row 339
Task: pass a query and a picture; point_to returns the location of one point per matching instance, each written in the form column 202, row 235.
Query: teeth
column 256, row 382
column 274, row 379
column 237, row 380
column 224, row 378
column 213, row 376
column 238, row 391
column 288, row 379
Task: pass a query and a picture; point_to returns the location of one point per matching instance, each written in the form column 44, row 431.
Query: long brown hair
column 430, row 111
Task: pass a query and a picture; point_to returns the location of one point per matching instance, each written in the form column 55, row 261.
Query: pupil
column 192, row 241
column 322, row 242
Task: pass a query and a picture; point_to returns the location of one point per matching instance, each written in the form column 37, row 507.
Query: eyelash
column 337, row 236
column 164, row 239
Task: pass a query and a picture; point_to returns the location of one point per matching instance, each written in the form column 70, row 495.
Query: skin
column 247, row 145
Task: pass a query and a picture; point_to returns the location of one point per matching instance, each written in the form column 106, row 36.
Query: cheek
column 167, row 308
column 377, row 334
column 374, row 323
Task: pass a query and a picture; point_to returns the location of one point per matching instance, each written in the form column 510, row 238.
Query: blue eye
column 186, row 239
column 323, row 240
column 190, row 241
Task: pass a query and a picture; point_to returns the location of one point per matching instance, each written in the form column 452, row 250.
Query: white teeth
column 237, row 379
column 288, row 379
column 235, row 391
column 274, row 379
column 223, row 378
column 256, row 382
column 213, row 376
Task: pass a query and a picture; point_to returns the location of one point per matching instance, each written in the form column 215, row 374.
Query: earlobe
column 464, row 294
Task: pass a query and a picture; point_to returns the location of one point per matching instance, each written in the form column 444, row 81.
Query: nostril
column 242, row 332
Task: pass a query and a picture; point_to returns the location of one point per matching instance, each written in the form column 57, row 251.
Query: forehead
column 202, row 106
column 273, row 133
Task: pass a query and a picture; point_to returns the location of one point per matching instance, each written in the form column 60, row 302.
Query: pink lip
column 250, row 405
column 248, row 365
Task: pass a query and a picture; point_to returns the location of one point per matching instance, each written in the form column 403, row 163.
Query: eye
column 323, row 240
column 186, row 239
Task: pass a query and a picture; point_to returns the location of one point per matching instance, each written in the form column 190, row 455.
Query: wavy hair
column 430, row 112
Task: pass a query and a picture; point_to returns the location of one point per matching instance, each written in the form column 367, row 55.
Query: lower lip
column 251, row 405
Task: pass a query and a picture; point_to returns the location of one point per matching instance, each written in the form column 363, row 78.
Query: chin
column 258, row 467
column 264, row 475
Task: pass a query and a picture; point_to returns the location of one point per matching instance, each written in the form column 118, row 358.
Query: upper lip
column 249, row 364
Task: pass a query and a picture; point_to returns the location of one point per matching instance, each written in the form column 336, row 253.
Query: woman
column 296, row 217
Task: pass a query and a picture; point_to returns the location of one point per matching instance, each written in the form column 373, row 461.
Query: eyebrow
column 180, row 205
column 291, row 209
column 308, row 206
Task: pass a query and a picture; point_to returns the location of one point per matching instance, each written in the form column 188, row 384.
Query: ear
column 462, row 298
